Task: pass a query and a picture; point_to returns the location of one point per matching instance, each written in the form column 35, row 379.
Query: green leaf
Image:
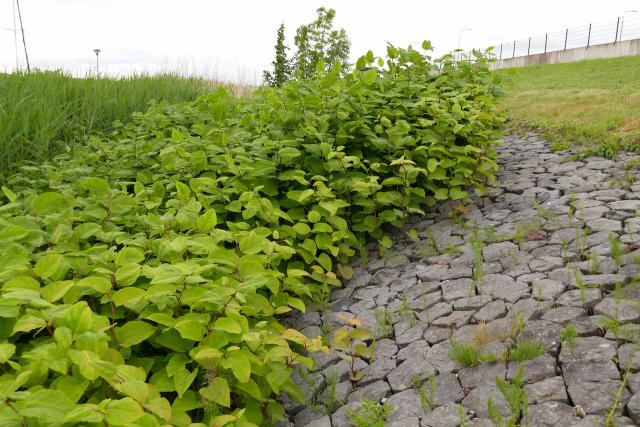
column 9, row 194
column 183, row 379
column 49, row 203
column 127, row 274
column 129, row 255
column 207, row 220
column 128, row 296
column 217, row 391
column 97, row 283
column 48, row 265
column 239, row 364
column 133, row 333
column 252, row 243
column 457, row 193
column 123, row 412
column 6, row 351
column 95, row 185
column 227, row 324
column 49, row 406
column 369, row 77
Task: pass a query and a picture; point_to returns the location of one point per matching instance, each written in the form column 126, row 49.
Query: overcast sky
column 234, row 39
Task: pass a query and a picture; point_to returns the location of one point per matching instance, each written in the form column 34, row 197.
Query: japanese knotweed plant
column 143, row 276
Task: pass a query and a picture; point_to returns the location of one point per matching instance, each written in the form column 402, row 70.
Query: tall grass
column 42, row 112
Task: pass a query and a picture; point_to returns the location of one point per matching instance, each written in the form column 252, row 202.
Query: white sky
column 234, row 40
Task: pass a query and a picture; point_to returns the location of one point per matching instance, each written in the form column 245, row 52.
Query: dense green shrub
column 142, row 275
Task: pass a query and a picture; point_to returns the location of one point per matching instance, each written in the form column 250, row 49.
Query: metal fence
column 626, row 27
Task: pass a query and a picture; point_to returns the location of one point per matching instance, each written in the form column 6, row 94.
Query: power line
column 24, row 42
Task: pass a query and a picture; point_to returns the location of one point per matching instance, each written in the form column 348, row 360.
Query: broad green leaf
column 49, row 406
column 207, row 220
column 122, row 412
column 48, row 265
column 239, row 364
column 6, row 351
column 227, row 324
column 217, row 391
column 129, row 255
column 133, row 333
column 253, row 243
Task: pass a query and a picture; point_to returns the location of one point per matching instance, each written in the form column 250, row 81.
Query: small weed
column 558, row 146
column 349, row 341
column 406, row 313
column 568, row 336
column 517, row 325
column 453, row 249
column 331, row 380
column 617, row 250
column 477, row 244
column 564, row 250
column 461, row 412
column 526, row 350
column 539, row 295
column 427, row 397
column 370, row 414
column 490, row 235
column 384, row 323
column 516, row 397
column 572, row 206
column 612, row 413
column 469, row 354
column 593, row 262
column 581, row 284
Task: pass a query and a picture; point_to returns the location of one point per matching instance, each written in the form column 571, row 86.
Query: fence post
column 589, row 36
column 566, row 34
column 529, row 47
column 514, row 49
column 501, row 50
column 545, row 42
column 617, row 26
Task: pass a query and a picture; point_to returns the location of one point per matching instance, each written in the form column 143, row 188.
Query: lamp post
column 97, row 52
column 622, row 23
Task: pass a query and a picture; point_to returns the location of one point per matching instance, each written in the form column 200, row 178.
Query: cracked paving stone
column 445, row 416
column 483, row 374
column 416, row 367
column 562, row 315
column 537, row 369
column 456, row 289
column 375, row 392
column 588, row 297
column 546, row 390
column 621, row 310
column 503, row 287
column 491, row 311
column 598, row 397
column 547, row 289
column 551, row 414
column 477, row 400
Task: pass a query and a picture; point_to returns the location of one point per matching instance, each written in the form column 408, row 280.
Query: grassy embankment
column 583, row 103
column 42, row 112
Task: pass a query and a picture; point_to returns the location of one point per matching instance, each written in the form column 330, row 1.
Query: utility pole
column 97, row 52
column 24, row 43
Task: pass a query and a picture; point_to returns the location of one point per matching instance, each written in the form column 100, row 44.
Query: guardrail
column 626, row 27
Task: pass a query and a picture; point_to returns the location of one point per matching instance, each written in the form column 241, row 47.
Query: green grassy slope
column 586, row 102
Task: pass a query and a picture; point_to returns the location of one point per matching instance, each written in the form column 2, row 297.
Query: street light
column 97, row 52
column 622, row 23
